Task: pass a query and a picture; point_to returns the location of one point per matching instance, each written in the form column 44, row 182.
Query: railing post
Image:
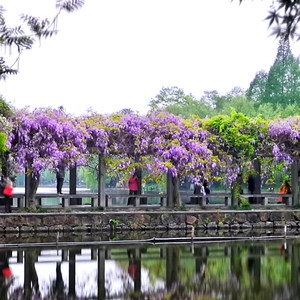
column 265, row 201
column 163, row 201
column 109, row 201
column 202, row 201
column 137, row 201
column 227, row 201
column 20, row 201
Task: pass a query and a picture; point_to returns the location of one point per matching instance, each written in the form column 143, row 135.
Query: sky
column 115, row 54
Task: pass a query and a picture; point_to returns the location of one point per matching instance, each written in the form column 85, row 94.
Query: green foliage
column 114, row 222
column 283, row 16
column 89, row 175
column 23, row 37
column 5, row 108
column 237, row 132
column 169, row 96
column 281, row 85
column 240, row 104
column 183, row 207
column 189, row 108
column 244, row 204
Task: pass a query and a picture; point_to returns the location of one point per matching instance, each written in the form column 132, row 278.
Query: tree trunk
column 177, row 197
column 33, row 185
column 236, row 190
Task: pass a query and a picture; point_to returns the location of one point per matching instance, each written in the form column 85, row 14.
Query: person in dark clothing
column 197, row 191
column 206, row 190
column 133, row 188
column 251, row 188
column 60, row 176
column 251, row 184
column 206, row 187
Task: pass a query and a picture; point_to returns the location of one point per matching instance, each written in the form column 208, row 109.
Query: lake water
column 228, row 270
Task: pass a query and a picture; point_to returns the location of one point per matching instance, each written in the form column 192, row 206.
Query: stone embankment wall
column 148, row 220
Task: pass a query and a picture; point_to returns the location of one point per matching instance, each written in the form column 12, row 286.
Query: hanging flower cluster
column 46, row 138
column 285, row 135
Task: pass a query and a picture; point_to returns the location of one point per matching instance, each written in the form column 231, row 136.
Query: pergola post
column 170, row 191
column 101, row 274
column 257, row 179
column 101, row 181
column 72, row 185
column 27, row 188
column 295, row 181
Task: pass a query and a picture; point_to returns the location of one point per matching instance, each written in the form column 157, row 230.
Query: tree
column 284, row 15
column 190, row 108
column 282, row 83
column 22, row 38
column 237, row 141
column 258, row 86
column 44, row 139
column 168, row 96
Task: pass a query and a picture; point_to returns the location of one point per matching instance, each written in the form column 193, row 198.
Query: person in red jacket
column 8, row 194
column 133, row 188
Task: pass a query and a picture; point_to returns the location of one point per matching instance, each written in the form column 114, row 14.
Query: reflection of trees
column 238, row 271
column 245, row 279
column 58, row 288
column 31, row 283
column 295, row 268
column 173, row 258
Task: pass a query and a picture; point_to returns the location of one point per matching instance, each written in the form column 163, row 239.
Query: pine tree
column 282, row 83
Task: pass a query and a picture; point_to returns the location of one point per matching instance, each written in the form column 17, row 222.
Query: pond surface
column 223, row 270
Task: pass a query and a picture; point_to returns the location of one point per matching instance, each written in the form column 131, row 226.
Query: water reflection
column 249, row 270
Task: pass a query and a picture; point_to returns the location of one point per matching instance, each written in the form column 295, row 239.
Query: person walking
column 60, row 176
column 8, row 194
column 133, row 188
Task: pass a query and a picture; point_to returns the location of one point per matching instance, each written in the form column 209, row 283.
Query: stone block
column 269, row 224
column 166, row 219
column 212, row 225
column 264, row 216
column 252, row 217
column 296, row 215
column 222, row 226
column 191, row 220
column 288, row 216
column 23, row 228
column 246, row 225
column 161, row 228
column 234, row 226
column 291, row 224
column 142, row 219
column 240, row 218
column 278, row 224
column 276, row 216
column 259, row 225
column 174, row 226
column 12, row 221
